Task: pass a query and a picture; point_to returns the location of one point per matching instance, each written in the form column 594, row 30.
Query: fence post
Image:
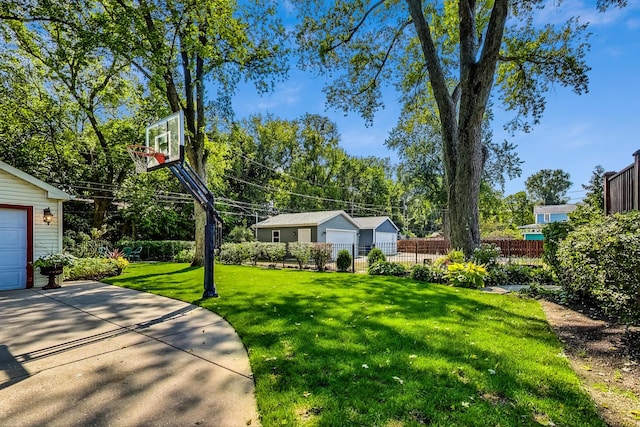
column 416, row 251
column 607, row 192
column 353, row 257
column 636, row 180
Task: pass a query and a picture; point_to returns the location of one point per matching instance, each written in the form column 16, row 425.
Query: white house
column 25, row 235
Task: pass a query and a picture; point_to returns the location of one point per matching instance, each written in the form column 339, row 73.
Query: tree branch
column 355, row 29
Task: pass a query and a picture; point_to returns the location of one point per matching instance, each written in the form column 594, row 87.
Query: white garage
column 378, row 232
column 24, row 233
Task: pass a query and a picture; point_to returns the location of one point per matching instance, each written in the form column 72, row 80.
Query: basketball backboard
column 165, row 139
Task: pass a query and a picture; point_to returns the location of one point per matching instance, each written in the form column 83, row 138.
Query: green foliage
column 157, row 250
column 321, row 254
column 386, row 268
column 95, row 268
column 54, row 259
column 185, row 255
column 375, row 255
column 240, row 234
column 274, row 252
column 549, row 187
column 301, row 252
column 343, row 260
column 599, row 261
column 234, row 253
column 427, row 273
column 486, row 254
column 592, row 206
column 453, row 256
column 255, row 251
column 554, row 233
column 466, row 275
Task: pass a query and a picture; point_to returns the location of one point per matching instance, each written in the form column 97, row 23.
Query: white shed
column 24, row 234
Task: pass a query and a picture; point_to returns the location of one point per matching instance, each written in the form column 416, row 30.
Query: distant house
column 379, row 232
column 545, row 215
column 322, row 227
column 30, row 226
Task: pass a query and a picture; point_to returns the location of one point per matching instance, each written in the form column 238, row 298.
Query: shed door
column 387, row 242
column 13, row 249
column 304, row 235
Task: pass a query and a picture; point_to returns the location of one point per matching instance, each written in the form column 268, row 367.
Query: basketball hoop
column 140, row 155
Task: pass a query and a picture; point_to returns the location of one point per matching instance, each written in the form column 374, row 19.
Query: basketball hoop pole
column 198, row 189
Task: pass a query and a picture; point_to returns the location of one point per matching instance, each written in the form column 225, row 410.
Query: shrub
column 254, row 251
column 375, row 255
column 466, row 275
column 240, row 234
column 486, row 254
column 301, row 252
column 427, row 273
column 158, row 250
column 321, row 254
column 95, row 268
column 274, row 252
column 343, row 261
column 185, row 255
column 233, row 253
column 386, row 268
column 453, row 256
column 599, row 262
column 554, row 233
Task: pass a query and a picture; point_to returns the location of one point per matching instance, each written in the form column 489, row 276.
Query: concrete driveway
column 95, row 354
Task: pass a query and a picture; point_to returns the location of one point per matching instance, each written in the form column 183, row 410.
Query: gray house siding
column 287, row 234
column 366, row 238
column 337, row 223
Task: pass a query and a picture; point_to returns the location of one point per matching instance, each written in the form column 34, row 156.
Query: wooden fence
column 622, row 189
column 510, row 248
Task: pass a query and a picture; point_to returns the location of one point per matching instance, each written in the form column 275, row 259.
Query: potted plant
column 52, row 265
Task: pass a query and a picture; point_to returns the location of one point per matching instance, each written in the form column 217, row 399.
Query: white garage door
column 341, row 239
column 13, row 249
column 387, row 242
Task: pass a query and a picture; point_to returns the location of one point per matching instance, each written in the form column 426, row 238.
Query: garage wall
column 46, row 238
column 337, row 223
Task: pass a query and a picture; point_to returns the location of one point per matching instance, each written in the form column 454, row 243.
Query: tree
column 181, row 46
column 548, row 187
column 445, row 58
column 592, row 206
column 519, row 208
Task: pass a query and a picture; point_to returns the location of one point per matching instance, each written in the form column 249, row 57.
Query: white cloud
column 556, row 12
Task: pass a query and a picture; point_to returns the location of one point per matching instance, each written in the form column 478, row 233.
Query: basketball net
column 140, row 155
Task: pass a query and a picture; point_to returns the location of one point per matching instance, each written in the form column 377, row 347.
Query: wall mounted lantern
column 48, row 216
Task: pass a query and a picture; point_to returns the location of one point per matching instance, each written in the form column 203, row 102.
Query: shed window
column 275, row 236
column 547, row 217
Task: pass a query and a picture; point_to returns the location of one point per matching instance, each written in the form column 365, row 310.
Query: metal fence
column 418, row 252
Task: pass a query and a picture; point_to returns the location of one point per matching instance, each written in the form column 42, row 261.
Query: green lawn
column 337, row 349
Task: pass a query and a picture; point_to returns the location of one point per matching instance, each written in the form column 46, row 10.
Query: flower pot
column 52, row 272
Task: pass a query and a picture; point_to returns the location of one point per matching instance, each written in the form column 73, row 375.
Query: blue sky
column 576, row 133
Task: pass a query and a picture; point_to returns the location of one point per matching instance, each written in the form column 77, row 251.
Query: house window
column 275, row 236
column 547, row 217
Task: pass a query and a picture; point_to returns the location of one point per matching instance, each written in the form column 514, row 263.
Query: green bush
column 240, row 234
column 599, row 261
column 554, row 233
column 453, row 256
column 386, row 268
column 301, row 252
column 274, row 252
column 157, row 250
column 486, row 254
column 94, row 268
column 321, row 254
column 254, row 251
column 185, row 255
column 233, row 253
column 375, row 255
column 343, row 261
column 427, row 273
column 466, row 275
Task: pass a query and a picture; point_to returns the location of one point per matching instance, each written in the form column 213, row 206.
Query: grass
column 331, row 349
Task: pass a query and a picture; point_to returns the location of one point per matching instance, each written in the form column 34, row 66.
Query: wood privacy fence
column 622, row 189
column 510, row 248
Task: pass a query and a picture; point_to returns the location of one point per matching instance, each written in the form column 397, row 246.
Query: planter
column 52, row 272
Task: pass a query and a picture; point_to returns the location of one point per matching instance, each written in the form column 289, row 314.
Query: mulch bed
column 606, row 356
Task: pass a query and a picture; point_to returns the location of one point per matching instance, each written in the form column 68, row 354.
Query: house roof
column 554, row 209
column 302, row 219
column 52, row 192
column 373, row 222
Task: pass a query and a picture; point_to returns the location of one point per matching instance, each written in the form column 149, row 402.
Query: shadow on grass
column 340, row 349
